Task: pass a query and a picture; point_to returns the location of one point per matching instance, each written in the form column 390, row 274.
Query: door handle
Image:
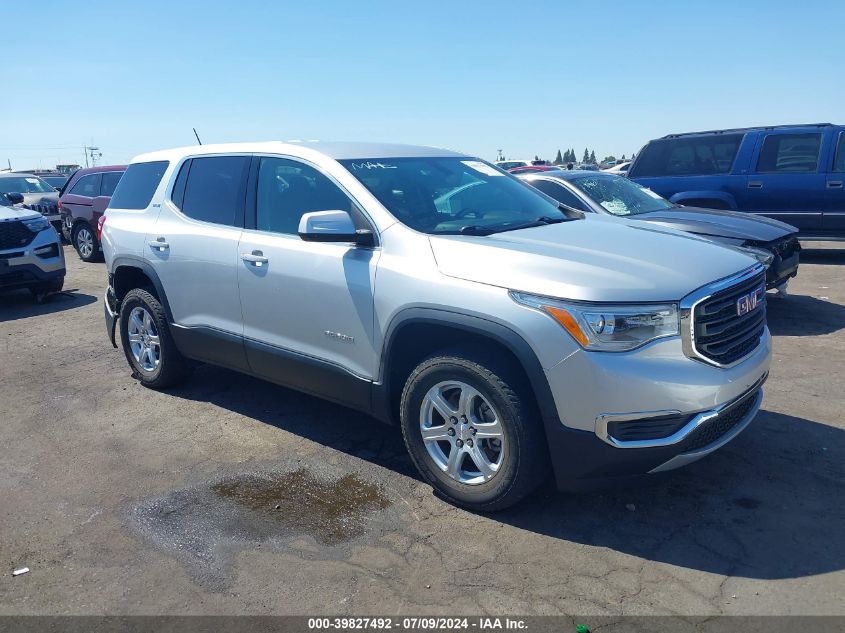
column 159, row 244
column 255, row 257
column 834, row 184
column 755, row 184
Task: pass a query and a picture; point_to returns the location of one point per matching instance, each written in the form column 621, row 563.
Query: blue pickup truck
column 792, row 173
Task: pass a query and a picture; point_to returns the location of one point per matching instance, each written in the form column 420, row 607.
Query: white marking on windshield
column 369, row 165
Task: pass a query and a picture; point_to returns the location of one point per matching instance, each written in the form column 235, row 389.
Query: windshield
column 621, row 196
column 24, row 184
column 452, row 195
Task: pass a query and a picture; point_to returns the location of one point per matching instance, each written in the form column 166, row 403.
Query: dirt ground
column 231, row 495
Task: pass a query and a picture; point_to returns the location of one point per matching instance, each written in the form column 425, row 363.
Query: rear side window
column 110, row 180
column 688, row 156
column 137, row 185
column 839, row 162
column 790, row 153
column 215, row 188
column 87, row 186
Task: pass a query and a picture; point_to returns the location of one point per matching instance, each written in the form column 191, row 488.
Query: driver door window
column 288, row 189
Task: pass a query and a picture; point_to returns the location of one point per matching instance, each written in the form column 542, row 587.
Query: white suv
column 505, row 333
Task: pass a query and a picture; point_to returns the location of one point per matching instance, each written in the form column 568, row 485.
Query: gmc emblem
column 747, row 303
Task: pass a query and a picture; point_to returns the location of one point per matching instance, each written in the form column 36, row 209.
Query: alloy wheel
column 143, row 339
column 462, row 432
column 85, row 242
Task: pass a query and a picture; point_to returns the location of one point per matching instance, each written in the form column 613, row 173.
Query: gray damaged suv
column 506, row 334
column 31, row 254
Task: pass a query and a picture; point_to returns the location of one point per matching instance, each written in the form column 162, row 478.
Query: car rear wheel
column 86, row 243
column 472, row 430
column 147, row 343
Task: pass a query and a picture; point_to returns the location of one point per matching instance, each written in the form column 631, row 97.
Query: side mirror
column 100, row 203
column 332, row 226
column 14, row 197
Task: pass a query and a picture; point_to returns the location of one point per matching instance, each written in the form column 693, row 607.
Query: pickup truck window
column 452, row 195
column 839, row 163
column 688, row 155
column 790, row 153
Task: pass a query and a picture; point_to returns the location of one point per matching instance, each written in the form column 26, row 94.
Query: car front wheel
column 472, row 430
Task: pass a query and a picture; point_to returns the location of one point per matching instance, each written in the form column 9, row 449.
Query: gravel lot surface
column 231, row 495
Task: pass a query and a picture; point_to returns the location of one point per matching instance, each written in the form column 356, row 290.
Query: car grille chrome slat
column 714, row 331
column 14, row 235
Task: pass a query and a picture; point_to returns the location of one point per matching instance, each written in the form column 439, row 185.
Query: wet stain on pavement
column 330, row 511
column 203, row 526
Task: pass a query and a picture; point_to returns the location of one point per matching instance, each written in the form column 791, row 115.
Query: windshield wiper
column 475, row 229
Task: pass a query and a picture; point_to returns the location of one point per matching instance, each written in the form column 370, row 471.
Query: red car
column 82, row 201
column 534, row 169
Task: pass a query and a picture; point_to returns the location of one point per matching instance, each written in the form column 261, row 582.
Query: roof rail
column 748, row 129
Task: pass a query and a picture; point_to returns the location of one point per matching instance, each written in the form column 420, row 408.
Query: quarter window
column 288, row 189
column 214, row 189
column 790, row 153
column 839, row 163
column 137, row 185
column 110, row 180
column 87, row 186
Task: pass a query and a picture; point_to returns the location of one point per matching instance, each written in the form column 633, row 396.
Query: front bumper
column 42, row 260
column 593, row 391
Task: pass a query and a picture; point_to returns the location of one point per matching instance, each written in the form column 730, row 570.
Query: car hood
column 16, row 212
column 42, row 198
column 718, row 223
column 594, row 259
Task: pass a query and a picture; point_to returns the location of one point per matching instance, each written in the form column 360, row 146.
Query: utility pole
column 95, row 154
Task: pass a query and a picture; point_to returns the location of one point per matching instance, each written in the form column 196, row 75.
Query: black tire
column 172, row 367
column 83, row 228
column 41, row 291
column 524, row 463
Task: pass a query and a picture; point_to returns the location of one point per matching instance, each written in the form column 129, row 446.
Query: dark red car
column 81, row 203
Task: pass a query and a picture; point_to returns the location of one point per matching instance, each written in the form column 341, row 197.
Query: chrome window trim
column 604, row 419
column 687, row 310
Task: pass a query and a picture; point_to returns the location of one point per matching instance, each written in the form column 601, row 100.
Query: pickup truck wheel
column 147, row 343
column 472, row 430
column 86, row 243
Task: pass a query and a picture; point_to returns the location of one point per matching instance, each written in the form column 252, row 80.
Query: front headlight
column 605, row 327
column 760, row 254
column 36, row 225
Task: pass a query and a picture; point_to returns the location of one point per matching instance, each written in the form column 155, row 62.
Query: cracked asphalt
column 217, row 497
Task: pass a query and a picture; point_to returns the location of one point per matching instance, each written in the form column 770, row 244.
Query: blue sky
column 526, row 77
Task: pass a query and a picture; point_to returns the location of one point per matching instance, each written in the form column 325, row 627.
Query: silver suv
column 31, row 254
column 505, row 333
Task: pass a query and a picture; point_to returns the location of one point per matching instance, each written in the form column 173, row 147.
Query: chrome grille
column 723, row 335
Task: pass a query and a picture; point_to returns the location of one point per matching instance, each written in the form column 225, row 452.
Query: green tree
column 623, row 156
column 558, row 159
column 593, row 157
column 586, row 158
column 610, row 159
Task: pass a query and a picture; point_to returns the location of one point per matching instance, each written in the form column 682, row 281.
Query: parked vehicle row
column 83, row 200
column 771, row 242
column 793, row 173
column 507, row 335
column 36, row 194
